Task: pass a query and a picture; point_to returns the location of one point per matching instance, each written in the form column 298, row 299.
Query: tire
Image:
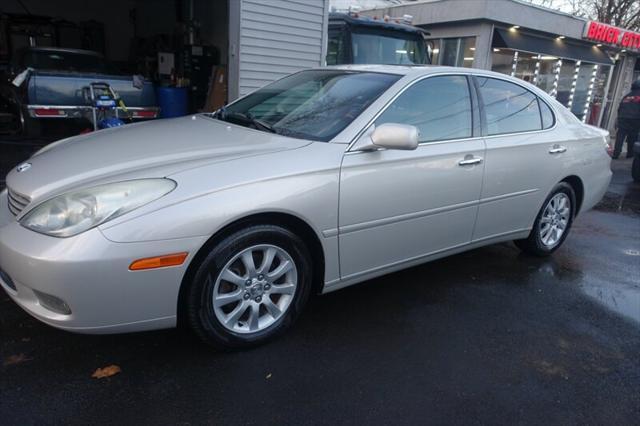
column 31, row 127
column 11, row 117
column 635, row 168
column 543, row 240
column 223, row 276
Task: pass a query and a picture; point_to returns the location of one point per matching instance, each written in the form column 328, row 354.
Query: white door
column 522, row 160
column 397, row 206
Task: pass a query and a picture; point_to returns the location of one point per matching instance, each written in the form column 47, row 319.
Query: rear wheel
column 250, row 288
column 552, row 223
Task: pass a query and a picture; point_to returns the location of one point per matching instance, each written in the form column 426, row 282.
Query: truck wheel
column 10, row 117
column 635, row 168
column 31, row 127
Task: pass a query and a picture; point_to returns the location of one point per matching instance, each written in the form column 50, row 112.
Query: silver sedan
column 228, row 222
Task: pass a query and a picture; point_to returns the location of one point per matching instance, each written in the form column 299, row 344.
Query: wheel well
column 578, row 188
column 288, row 221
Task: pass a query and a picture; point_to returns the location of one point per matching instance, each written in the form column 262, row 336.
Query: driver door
column 398, row 206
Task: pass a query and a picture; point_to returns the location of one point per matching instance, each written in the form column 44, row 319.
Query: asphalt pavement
column 487, row 336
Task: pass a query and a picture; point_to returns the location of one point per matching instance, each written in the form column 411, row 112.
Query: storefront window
column 526, row 67
column 582, row 93
column 565, row 82
column 599, row 88
column 502, row 61
column 468, row 47
column 547, row 73
column 578, row 85
column 435, row 51
column 455, row 52
column 450, row 52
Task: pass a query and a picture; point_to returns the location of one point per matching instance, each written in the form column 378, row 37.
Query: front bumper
column 91, row 275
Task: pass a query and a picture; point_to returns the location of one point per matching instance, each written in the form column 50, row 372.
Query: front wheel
column 552, row 223
column 250, row 288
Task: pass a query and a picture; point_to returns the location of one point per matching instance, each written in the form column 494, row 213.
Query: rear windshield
column 63, row 61
column 314, row 104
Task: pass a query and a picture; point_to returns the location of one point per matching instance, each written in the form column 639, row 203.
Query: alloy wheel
column 555, row 219
column 254, row 289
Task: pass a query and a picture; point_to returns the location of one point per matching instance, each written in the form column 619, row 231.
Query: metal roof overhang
column 561, row 48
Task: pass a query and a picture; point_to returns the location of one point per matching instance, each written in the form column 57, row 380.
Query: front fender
column 301, row 182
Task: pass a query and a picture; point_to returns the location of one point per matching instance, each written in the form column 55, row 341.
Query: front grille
column 17, row 202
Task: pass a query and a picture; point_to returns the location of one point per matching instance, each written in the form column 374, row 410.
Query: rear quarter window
column 548, row 119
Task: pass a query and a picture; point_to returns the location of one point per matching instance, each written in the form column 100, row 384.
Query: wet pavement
column 487, row 336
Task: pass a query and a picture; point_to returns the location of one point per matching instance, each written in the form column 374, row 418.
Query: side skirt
column 387, row 269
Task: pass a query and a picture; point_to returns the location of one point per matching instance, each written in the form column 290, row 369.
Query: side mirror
column 390, row 136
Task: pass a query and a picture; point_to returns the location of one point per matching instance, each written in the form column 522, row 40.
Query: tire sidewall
column 535, row 232
column 201, row 313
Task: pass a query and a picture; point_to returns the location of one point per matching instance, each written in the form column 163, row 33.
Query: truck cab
column 355, row 39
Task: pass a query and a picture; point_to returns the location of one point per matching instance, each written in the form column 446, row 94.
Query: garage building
column 178, row 42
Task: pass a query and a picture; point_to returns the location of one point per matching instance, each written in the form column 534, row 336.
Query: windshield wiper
column 248, row 118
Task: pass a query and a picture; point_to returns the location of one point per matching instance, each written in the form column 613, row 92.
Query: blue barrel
column 173, row 101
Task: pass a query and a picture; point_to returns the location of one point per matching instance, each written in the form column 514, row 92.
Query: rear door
column 523, row 159
column 398, row 206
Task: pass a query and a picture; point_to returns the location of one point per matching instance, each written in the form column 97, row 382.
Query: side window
column 547, row 115
column 509, row 108
column 335, row 47
column 440, row 107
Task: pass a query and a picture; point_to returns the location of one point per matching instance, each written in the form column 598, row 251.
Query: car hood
column 151, row 149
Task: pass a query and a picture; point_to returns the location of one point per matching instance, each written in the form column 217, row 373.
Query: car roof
column 410, row 69
column 415, row 71
column 419, row 70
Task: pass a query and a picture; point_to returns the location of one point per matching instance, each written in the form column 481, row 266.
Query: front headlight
column 75, row 212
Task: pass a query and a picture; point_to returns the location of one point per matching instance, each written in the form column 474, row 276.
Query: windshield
column 63, row 61
column 314, row 104
column 369, row 48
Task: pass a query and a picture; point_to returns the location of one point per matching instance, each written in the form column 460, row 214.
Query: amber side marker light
column 175, row 259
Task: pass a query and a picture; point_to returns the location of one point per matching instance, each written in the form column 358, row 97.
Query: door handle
column 557, row 149
column 470, row 161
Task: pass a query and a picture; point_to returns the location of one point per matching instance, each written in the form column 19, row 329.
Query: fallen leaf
column 15, row 359
column 269, row 376
column 107, row 371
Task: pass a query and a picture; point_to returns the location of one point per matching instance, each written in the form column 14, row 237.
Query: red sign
column 603, row 33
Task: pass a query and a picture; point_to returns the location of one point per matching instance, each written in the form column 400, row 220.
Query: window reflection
column 578, row 85
column 509, row 108
column 440, row 107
